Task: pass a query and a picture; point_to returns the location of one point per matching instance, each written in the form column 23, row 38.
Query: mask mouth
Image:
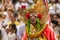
column 33, row 21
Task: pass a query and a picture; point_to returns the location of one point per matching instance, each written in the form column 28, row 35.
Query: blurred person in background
column 57, row 29
column 3, row 26
column 0, row 21
column 25, row 3
column 58, row 7
column 0, row 27
column 30, row 1
column 12, row 34
column 54, row 24
column 4, row 32
column 17, row 17
column 51, row 11
column 21, row 26
column 18, row 4
column 51, row 3
column 20, row 29
column 8, row 3
column 55, row 17
column 11, row 16
column 52, row 14
column 52, row 7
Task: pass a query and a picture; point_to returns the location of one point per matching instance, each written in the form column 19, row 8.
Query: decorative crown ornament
column 41, row 19
column 41, row 8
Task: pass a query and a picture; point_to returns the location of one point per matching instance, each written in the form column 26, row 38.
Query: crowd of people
column 13, row 20
column 12, row 14
column 54, row 10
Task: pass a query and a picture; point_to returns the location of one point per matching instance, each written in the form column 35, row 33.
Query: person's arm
column 11, row 16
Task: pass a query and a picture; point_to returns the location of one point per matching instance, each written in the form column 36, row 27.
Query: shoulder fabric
column 49, row 33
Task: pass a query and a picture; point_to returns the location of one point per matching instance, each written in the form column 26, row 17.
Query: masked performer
column 37, row 27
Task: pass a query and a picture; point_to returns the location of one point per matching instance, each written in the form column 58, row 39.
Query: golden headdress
column 40, row 7
column 42, row 16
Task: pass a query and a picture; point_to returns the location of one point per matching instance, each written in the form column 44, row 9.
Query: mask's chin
column 33, row 22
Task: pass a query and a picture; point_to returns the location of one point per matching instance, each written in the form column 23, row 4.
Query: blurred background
column 13, row 11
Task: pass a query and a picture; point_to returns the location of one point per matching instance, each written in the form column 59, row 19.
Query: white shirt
column 20, row 30
column 12, row 36
column 30, row 1
column 57, row 30
column 4, row 33
column 51, row 10
column 7, row 19
column 17, row 5
column 58, row 8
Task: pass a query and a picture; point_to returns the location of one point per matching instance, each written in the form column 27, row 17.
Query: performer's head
column 33, row 17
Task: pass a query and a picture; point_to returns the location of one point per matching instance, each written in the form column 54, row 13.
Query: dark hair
column 1, row 1
column 55, row 22
column 14, row 1
column 58, row 15
column 14, row 27
column 56, row 1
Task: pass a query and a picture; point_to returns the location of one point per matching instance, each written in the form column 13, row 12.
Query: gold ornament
column 40, row 7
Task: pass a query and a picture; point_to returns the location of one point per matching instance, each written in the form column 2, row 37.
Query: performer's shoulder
column 49, row 28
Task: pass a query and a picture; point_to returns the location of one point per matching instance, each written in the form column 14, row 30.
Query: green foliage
column 38, row 23
column 28, row 25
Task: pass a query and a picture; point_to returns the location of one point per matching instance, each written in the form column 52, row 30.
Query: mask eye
column 34, row 16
